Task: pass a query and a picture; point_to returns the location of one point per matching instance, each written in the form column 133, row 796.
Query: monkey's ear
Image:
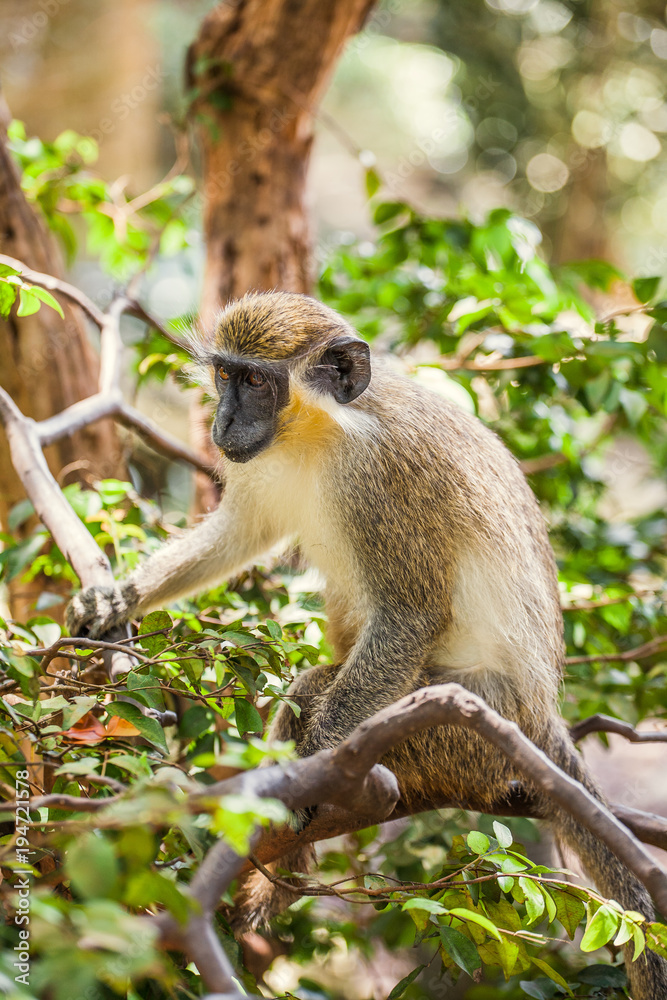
column 344, row 369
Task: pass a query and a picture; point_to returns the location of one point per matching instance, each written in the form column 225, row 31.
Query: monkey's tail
column 647, row 977
column 258, row 899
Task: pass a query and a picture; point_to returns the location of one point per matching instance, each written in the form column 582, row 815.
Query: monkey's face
column 270, row 346
column 251, row 398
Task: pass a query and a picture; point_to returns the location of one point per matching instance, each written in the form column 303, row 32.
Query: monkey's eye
column 223, row 373
column 255, row 379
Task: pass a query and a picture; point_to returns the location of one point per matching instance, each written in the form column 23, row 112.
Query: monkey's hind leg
column 258, row 899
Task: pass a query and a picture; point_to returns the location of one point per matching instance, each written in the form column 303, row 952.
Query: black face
column 251, row 397
column 253, row 393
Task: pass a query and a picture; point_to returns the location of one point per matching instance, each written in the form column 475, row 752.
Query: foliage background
column 529, row 150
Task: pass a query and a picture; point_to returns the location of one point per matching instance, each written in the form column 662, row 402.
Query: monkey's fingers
column 97, row 610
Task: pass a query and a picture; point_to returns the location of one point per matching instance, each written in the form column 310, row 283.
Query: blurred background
column 557, row 111
column 554, row 110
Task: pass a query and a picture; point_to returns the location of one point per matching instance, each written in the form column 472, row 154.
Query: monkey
column 435, row 556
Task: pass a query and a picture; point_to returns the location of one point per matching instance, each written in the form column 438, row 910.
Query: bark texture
column 47, row 362
column 256, row 72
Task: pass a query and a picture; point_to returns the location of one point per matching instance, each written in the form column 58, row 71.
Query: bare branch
column 492, row 363
column 79, row 642
column 135, row 308
column 162, row 442
column 638, row 653
column 71, row 803
column 350, row 778
column 529, row 466
column 647, row 827
column 73, row 538
column 605, row 602
column 606, row 724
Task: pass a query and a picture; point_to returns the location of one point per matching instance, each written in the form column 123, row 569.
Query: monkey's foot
column 301, row 818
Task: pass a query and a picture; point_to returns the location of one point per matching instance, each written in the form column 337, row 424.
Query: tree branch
column 605, row 724
column 56, row 285
column 350, row 777
column 638, row 653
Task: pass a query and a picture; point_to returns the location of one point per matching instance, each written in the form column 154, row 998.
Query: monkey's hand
column 98, row 610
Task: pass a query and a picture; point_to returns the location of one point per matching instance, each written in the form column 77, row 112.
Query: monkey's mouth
column 244, row 452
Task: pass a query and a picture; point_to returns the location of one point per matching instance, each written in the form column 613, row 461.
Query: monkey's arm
column 219, row 546
column 384, row 665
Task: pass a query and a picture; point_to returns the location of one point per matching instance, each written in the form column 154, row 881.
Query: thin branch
column 605, row 602
column 56, row 285
column 366, row 793
column 71, row 535
column 160, row 441
column 71, row 803
column 606, row 724
column 529, row 466
column 638, row 653
column 648, row 827
column 79, row 642
column 491, row 364
column 135, row 308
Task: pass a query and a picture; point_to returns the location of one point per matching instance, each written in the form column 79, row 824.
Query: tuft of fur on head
column 275, row 326
column 278, row 327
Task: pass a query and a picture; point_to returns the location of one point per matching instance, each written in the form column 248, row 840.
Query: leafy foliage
column 570, row 368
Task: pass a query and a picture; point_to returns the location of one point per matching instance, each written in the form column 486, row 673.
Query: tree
column 54, row 364
column 132, row 815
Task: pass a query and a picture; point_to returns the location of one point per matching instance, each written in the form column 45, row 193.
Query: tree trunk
column 48, row 362
column 256, row 73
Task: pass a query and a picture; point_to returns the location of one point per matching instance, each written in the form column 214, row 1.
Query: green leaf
column 601, row 928
column 424, row 903
column 248, row 719
column 71, row 715
column 373, row 182
column 503, row 953
column 552, row 974
column 603, row 975
column 570, row 910
column 91, row 866
column 400, row 988
column 639, row 941
column 150, row 729
column 86, row 765
column 540, row 989
column 148, row 687
column 274, row 628
column 7, row 298
column 47, row 299
column 502, row 834
column 460, row 949
column 646, row 288
column 28, row 303
column 635, row 405
column 477, row 918
column 534, row 899
column 478, row 842
column 387, row 210
column 154, row 622
column 15, row 558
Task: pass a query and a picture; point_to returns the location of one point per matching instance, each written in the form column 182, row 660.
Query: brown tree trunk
column 47, row 362
column 256, row 72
